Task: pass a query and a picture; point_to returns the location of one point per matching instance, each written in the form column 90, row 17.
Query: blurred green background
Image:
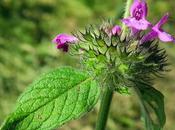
column 26, row 30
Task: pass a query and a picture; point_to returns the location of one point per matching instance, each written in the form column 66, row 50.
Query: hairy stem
column 104, row 109
column 126, row 14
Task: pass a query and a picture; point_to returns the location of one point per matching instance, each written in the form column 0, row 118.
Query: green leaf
column 54, row 99
column 152, row 106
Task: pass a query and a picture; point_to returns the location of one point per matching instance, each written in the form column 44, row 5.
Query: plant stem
column 104, row 109
column 108, row 93
column 126, row 14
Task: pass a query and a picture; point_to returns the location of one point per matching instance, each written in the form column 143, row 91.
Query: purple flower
column 116, row 30
column 63, row 40
column 138, row 12
column 158, row 32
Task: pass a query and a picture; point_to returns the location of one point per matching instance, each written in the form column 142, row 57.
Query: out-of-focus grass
column 26, row 30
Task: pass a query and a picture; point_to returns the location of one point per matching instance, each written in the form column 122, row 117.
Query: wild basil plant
column 114, row 59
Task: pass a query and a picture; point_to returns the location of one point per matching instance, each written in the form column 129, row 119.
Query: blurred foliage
column 26, row 30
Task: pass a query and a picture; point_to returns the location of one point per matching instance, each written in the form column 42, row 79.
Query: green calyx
column 124, row 62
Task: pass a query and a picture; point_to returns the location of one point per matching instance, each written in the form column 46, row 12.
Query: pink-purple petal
column 116, row 30
column 162, row 21
column 63, row 41
column 155, row 33
column 149, row 37
column 139, row 9
column 142, row 24
column 145, row 8
column 158, row 32
column 134, row 6
column 134, row 31
column 137, row 21
column 63, row 38
column 165, row 37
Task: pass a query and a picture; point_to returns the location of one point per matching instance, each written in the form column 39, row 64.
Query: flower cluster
column 127, row 62
column 121, row 63
column 136, row 22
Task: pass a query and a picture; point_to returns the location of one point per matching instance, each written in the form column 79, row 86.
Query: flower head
column 63, row 40
column 138, row 13
column 124, row 62
column 157, row 31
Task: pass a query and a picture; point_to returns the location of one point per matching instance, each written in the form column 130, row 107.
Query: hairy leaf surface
column 55, row 98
